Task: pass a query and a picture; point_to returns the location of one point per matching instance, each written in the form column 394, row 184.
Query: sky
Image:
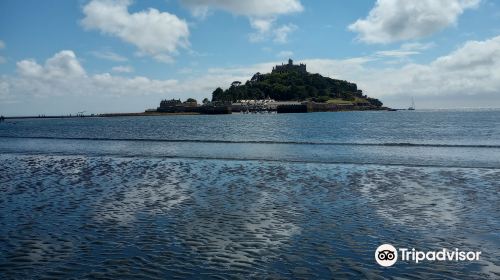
column 98, row 56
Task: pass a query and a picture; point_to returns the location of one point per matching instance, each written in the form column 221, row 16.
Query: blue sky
column 125, row 56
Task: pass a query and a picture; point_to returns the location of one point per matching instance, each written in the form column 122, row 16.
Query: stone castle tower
column 290, row 67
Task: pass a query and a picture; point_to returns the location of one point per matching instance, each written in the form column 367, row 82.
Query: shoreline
column 150, row 114
column 105, row 115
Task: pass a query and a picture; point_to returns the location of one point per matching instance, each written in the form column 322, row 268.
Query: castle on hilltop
column 290, row 67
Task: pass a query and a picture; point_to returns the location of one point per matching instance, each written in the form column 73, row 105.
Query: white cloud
column 281, row 33
column 61, row 85
column 109, row 55
column 398, row 20
column 261, row 14
column 285, row 54
column 262, row 25
column 468, row 75
column 154, row 33
column 60, row 75
column 250, row 8
column 161, row 57
column 405, row 50
column 123, row 87
column 470, row 70
column 278, row 34
column 62, row 65
column 418, row 46
column 122, row 69
column 396, row 53
column 2, row 46
column 243, row 72
column 63, row 75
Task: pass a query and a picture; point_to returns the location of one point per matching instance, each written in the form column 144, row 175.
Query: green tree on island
column 292, row 82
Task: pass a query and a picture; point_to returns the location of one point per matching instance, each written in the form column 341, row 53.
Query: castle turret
column 290, row 67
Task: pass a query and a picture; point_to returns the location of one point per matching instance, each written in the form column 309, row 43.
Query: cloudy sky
column 61, row 57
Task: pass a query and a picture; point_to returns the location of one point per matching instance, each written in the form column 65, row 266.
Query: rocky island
column 290, row 88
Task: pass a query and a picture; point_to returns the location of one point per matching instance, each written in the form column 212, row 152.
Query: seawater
column 249, row 196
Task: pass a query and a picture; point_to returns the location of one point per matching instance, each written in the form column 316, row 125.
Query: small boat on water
column 412, row 107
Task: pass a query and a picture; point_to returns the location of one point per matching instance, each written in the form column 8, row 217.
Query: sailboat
column 412, row 107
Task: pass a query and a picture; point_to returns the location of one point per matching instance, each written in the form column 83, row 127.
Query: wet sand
column 117, row 217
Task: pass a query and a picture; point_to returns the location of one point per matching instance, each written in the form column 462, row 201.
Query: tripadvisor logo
column 387, row 255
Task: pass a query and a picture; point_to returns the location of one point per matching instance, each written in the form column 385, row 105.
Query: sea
column 250, row 196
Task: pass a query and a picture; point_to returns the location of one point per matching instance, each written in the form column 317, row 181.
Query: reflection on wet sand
column 83, row 217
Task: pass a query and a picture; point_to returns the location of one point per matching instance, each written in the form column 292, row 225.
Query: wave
column 256, row 159
column 216, row 141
